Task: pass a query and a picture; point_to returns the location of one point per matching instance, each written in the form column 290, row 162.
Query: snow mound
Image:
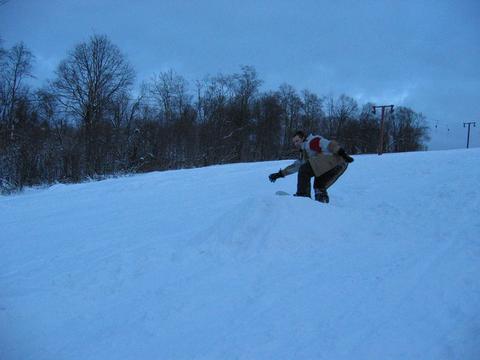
column 210, row 264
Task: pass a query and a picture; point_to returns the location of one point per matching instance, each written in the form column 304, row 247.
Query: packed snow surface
column 210, row 264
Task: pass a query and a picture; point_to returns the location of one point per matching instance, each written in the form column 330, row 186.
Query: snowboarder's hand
column 345, row 156
column 275, row 176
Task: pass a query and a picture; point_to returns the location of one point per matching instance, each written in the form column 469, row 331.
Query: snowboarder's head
column 298, row 138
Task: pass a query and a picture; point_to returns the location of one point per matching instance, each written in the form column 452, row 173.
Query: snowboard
column 284, row 193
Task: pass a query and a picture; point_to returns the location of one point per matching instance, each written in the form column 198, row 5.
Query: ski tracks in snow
column 133, row 267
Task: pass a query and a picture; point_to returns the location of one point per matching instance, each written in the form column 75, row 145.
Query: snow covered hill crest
column 210, row 264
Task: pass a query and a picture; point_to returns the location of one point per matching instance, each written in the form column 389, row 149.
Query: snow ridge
column 210, row 264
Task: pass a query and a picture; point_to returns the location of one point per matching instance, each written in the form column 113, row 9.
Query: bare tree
column 339, row 112
column 246, row 87
column 291, row 117
column 268, row 136
column 87, row 82
column 406, row 130
column 365, row 138
column 170, row 91
column 312, row 111
column 15, row 115
column 14, row 69
column 214, row 99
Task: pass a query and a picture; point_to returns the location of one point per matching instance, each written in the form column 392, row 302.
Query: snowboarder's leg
column 321, row 195
column 305, row 173
column 323, row 182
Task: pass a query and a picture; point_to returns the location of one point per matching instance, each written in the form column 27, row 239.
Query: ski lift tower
column 468, row 136
column 382, row 122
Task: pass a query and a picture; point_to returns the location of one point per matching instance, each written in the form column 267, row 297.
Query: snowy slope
column 210, row 264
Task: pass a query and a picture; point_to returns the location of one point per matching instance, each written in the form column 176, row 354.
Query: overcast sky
column 416, row 53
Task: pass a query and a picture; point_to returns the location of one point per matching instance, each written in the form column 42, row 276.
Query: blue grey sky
column 417, row 53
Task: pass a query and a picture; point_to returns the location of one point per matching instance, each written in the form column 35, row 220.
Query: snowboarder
column 320, row 158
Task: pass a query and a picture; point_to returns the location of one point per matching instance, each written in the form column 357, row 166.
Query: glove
column 345, row 156
column 273, row 177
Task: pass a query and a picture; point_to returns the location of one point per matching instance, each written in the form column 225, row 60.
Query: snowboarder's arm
column 319, row 144
column 292, row 169
column 273, row 177
column 345, row 156
column 322, row 145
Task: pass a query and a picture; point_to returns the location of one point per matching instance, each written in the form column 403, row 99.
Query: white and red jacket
column 315, row 144
column 320, row 152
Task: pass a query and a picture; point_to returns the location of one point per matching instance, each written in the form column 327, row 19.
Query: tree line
column 89, row 122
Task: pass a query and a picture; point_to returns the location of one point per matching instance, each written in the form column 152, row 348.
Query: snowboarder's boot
column 302, row 195
column 321, row 195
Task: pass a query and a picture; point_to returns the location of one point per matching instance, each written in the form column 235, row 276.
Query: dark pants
column 322, row 182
